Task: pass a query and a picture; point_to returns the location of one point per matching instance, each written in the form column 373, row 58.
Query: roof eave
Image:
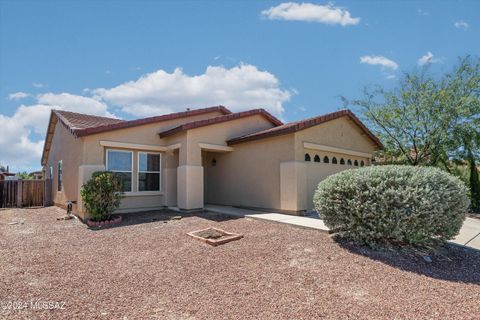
column 308, row 124
column 226, row 118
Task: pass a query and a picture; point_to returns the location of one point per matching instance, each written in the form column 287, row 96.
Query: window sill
column 143, row 193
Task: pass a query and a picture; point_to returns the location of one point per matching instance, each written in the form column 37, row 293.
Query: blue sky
column 131, row 59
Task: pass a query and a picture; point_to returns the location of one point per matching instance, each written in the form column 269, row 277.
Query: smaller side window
column 60, row 176
column 326, row 160
column 355, row 163
column 307, row 157
column 342, row 161
column 316, row 158
column 362, row 163
column 349, row 162
column 334, row 160
column 50, row 173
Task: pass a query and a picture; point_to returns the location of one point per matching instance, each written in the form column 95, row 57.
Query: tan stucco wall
column 341, row 133
column 293, row 184
column 250, row 175
column 268, row 173
column 146, row 134
column 190, row 173
column 69, row 149
column 87, row 151
column 215, row 134
column 317, row 172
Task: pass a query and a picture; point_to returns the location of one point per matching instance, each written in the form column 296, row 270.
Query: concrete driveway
column 469, row 234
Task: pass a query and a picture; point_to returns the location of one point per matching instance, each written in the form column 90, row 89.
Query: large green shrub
column 101, row 195
column 400, row 205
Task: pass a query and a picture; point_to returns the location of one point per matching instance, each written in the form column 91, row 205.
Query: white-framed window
column 50, row 173
column 121, row 163
column 60, row 176
column 149, row 164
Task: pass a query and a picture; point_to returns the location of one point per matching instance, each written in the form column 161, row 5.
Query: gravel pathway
column 153, row 270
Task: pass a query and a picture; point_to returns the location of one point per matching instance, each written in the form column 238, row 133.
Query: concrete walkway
column 469, row 234
column 305, row 222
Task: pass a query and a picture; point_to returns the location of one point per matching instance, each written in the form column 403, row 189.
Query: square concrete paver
column 475, row 243
column 470, row 230
column 306, row 222
column 269, row 216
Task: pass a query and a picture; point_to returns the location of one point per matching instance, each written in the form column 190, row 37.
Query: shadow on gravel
column 450, row 263
column 164, row 216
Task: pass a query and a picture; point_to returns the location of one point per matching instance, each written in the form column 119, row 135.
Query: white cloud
column 18, row 95
column 37, row 85
column 423, row 13
column 310, row 12
column 19, row 142
column 461, row 25
column 71, row 102
column 16, row 142
column 427, row 59
column 239, row 88
column 380, row 61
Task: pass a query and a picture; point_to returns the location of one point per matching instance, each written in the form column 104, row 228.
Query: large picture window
column 148, row 171
column 120, row 162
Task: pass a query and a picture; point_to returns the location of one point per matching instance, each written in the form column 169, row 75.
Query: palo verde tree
column 429, row 120
column 463, row 90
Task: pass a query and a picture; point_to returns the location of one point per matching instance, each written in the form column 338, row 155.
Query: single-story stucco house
column 205, row 156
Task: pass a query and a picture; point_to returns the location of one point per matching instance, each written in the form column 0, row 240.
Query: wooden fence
column 25, row 193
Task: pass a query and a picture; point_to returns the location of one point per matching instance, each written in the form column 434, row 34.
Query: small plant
column 101, row 195
column 399, row 205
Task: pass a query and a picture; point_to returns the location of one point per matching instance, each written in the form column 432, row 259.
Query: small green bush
column 101, row 195
column 399, row 205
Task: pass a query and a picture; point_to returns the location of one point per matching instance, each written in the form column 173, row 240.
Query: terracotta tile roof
column 304, row 124
column 77, row 122
column 83, row 125
column 220, row 119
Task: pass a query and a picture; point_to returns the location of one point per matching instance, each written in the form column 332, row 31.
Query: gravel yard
column 148, row 268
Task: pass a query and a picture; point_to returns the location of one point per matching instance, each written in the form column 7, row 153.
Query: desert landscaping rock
column 152, row 270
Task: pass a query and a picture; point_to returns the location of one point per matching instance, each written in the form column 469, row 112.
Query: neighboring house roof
column 304, row 124
column 82, row 124
column 4, row 175
column 220, row 119
column 7, row 174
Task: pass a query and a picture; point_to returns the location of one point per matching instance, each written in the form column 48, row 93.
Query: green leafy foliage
column 430, row 119
column 101, row 195
column 392, row 204
column 23, row 175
